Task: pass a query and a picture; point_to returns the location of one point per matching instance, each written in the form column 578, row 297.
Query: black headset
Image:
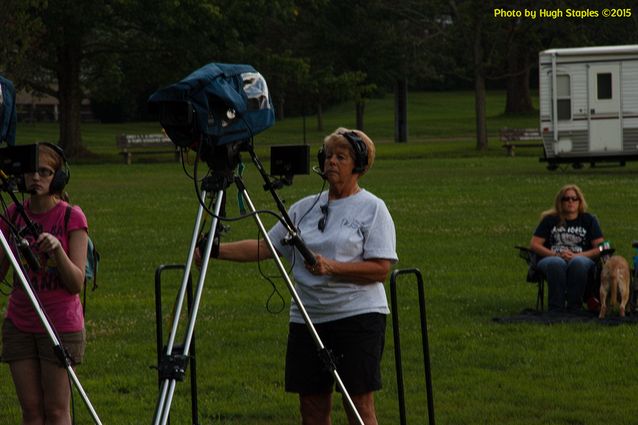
column 360, row 152
column 63, row 174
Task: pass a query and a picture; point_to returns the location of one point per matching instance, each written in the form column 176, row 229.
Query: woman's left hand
column 321, row 267
column 48, row 243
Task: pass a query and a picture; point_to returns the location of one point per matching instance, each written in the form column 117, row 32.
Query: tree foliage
column 312, row 52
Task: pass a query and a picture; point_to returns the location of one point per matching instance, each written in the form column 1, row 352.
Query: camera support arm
column 22, row 243
column 295, row 239
column 19, row 207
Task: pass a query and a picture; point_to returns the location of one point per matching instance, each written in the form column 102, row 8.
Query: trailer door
column 605, row 127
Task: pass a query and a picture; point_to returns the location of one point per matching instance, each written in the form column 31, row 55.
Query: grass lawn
column 458, row 215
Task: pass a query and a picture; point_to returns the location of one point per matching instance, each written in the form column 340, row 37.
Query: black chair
column 534, row 275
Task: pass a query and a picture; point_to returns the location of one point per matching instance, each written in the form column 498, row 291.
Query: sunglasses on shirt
column 324, row 218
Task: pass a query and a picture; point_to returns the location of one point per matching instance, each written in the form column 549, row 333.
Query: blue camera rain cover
column 7, row 112
column 230, row 102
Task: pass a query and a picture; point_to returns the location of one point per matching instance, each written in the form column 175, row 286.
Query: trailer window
column 604, row 85
column 563, row 101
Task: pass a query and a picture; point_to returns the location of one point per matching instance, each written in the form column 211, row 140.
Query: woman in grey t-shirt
column 352, row 235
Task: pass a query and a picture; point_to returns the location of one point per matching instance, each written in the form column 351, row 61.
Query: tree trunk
column 518, row 100
column 280, row 109
column 70, row 98
column 401, row 111
column 479, row 107
column 479, row 91
column 319, row 117
column 360, row 107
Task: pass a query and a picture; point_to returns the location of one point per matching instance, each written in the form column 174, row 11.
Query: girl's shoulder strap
column 67, row 215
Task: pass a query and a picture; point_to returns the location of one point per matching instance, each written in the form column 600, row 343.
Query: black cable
column 183, row 153
column 229, row 219
column 270, row 280
column 323, row 186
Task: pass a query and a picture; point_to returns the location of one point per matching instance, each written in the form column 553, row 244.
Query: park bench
column 513, row 138
column 145, row 144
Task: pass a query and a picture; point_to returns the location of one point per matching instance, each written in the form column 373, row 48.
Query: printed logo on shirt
column 571, row 238
column 352, row 223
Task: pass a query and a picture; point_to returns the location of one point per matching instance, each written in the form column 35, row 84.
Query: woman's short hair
column 338, row 138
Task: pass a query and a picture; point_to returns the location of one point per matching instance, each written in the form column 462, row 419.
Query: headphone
column 63, row 174
column 360, row 152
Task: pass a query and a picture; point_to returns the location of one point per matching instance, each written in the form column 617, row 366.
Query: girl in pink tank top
column 60, row 246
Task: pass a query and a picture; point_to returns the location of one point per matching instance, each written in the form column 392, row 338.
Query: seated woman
column 567, row 239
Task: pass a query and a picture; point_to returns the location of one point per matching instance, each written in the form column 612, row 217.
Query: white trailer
column 589, row 104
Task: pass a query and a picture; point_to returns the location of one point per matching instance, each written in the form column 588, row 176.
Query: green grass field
column 458, row 215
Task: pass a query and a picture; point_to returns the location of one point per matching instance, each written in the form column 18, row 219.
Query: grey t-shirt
column 357, row 228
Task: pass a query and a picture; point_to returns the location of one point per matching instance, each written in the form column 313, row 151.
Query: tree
column 521, row 56
column 470, row 27
column 48, row 58
column 525, row 37
column 412, row 28
column 72, row 45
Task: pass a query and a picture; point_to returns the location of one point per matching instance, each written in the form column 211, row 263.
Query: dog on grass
column 615, row 281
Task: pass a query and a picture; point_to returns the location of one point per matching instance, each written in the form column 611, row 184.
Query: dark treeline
column 313, row 53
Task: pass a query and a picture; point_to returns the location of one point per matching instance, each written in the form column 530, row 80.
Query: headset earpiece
column 360, row 151
column 63, row 174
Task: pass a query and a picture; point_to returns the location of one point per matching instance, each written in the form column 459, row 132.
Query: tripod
column 173, row 365
column 35, row 302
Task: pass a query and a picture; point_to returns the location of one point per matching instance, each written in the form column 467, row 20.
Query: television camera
column 214, row 110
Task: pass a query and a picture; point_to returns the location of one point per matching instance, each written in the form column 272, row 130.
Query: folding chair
column 533, row 274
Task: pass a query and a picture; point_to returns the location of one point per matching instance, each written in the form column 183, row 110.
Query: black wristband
column 214, row 253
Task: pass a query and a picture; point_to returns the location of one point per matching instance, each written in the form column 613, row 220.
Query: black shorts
column 356, row 344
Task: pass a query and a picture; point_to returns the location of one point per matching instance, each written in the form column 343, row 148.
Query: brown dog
column 614, row 278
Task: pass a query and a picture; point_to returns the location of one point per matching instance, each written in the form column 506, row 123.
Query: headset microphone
column 317, row 170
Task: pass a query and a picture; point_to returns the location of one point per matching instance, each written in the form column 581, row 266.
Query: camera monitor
column 18, row 160
column 289, row 160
